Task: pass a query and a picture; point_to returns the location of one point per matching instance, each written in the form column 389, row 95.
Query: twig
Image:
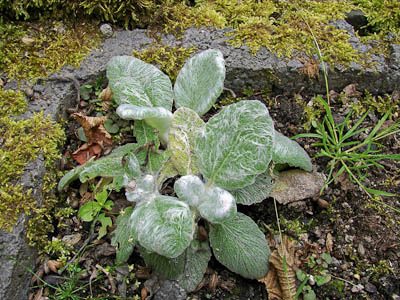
column 230, row 91
column 110, row 278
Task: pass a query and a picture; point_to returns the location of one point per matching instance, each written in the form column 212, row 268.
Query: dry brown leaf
column 54, row 265
column 310, row 68
column 94, row 129
column 272, row 285
column 38, row 295
column 329, row 242
column 143, row 293
column 85, row 152
column 286, row 273
column 106, row 95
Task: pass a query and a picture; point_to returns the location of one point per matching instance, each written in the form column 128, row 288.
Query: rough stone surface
column 170, row 290
column 16, row 256
column 243, row 70
column 295, row 185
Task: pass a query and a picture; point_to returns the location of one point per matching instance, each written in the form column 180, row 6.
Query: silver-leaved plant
column 229, row 160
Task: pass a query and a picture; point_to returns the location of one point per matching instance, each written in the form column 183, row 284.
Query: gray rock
column 106, row 30
column 357, row 19
column 17, row 258
column 170, row 290
column 295, row 185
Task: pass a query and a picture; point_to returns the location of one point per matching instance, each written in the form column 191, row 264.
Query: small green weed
column 346, row 153
column 317, row 274
column 91, row 211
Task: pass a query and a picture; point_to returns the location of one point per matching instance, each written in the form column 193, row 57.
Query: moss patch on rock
column 167, row 58
column 21, row 142
column 28, row 52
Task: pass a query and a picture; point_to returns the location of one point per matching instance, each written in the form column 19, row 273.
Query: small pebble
column 83, row 104
column 323, row 203
column 72, row 239
column 107, row 30
column 370, row 288
column 29, row 92
column 27, row 40
column 361, row 249
column 357, row 276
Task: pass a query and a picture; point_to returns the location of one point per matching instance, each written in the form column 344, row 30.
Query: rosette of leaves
column 232, row 159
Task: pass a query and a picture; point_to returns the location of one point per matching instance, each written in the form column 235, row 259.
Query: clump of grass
column 338, row 143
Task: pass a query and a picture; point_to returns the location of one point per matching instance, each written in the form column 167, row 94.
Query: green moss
column 377, row 104
column 26, row 53
column 22, row 141
column 280, row 26
column 167, row 58
column 383, row 15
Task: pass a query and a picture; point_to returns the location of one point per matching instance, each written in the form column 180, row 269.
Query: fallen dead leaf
column 85, row 152
column 38, row 295
column 272, row 285
column 96, row 135
column 283, row 260
column 54, row 265
column 280, row 281
column 106, row 95
column 94, row 129
column 143, row 293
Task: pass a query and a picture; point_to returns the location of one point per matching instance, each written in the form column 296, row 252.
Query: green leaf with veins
column 135, row 82
column 167, row 171
column 236, row 145
column 108, row 166
column 132, row 166
column 186, row 125
column 257, row 191
column 167, row 268
column 144, row 133
column 239, row 244
column 188, row 268
column 163, row 225
column 149, row 153
column 122, row 236
column 289, row 152
column 200, row 81
column 89, row 211
column 104, row 221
